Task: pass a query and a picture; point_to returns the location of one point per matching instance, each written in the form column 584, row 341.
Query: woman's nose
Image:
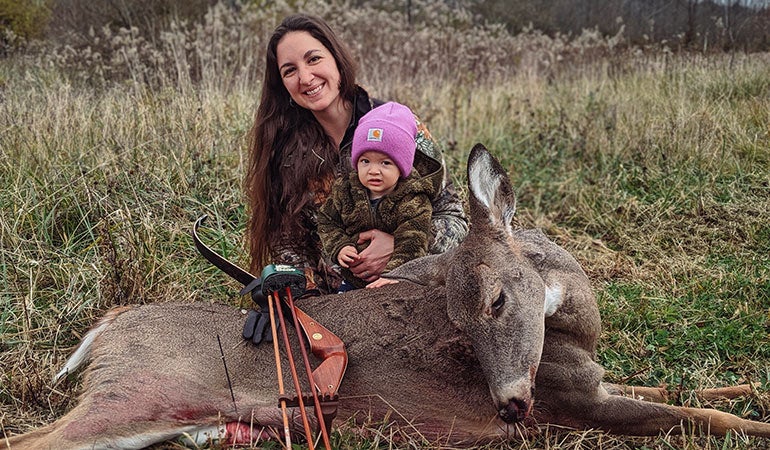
column 305, row 75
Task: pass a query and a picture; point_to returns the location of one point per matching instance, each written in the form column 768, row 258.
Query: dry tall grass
column 651, row 167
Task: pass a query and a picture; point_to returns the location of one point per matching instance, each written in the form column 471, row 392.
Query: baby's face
column 378, row 173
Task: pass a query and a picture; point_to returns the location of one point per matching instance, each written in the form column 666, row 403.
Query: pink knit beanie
column 388, row 129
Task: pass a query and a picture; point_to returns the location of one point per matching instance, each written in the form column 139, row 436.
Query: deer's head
column 495, row 294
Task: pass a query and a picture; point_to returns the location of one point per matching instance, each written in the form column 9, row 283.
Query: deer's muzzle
column 514, row 411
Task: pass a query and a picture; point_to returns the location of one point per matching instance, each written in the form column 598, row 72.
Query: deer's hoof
column 514, row 411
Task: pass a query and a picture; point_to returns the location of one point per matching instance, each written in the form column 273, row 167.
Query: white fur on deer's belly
column 554, row 297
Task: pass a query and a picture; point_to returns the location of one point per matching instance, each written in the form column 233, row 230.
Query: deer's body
column 501, row 330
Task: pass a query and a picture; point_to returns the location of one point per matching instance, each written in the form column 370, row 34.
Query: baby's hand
column 379, row 282
column 347, row 255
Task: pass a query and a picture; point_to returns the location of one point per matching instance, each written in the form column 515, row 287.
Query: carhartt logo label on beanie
column 374, row 135
column 389, row 129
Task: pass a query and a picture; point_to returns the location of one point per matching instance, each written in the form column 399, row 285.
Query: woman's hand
column 372, row 260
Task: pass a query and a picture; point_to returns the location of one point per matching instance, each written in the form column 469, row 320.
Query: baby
column 384, row 192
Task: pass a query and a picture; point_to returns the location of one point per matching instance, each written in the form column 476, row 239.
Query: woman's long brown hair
column 290, row 156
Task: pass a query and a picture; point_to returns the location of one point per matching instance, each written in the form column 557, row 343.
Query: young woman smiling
column 300, row 143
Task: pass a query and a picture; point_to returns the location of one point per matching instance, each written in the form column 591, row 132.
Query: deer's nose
column 514, row 411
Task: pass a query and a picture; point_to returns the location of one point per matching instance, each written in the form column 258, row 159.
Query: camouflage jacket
column 405, row 213
column 449, row 222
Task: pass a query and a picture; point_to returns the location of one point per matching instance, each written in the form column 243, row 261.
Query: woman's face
column 309, row 71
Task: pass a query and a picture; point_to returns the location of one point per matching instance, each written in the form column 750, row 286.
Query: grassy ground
column 652, row 169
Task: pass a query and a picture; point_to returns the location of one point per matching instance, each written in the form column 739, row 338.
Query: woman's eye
column 313, row 59
column 287, row 72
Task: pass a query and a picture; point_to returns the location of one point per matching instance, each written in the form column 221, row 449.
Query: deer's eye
column 498, row 304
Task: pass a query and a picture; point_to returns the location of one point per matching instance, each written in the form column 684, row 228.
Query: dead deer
column 455, row 350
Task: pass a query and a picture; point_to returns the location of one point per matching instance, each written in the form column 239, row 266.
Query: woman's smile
column 315, row 90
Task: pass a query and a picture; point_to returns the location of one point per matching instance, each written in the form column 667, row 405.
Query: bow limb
column 219, row 261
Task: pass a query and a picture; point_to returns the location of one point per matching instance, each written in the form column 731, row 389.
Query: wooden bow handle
column 330, row 349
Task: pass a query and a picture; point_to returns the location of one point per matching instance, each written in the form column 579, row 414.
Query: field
column 651, row 167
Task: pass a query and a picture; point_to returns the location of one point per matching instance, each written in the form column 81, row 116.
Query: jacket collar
column 362, row 104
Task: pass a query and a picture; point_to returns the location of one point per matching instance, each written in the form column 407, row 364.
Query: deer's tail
column 83, row 352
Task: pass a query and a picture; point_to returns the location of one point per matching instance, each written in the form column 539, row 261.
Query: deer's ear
column 491, row 198
column 429, row 270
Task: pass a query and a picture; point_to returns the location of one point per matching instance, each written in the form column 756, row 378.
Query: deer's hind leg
column 102, row 425
column 84, row 427
column 137, row 411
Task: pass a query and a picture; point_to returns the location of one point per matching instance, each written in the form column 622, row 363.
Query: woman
column 300, row 142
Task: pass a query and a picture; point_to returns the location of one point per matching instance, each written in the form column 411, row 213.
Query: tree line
column 704, row 25
column 682, row 24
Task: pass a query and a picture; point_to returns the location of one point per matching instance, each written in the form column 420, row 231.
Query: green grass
column 653, row 170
